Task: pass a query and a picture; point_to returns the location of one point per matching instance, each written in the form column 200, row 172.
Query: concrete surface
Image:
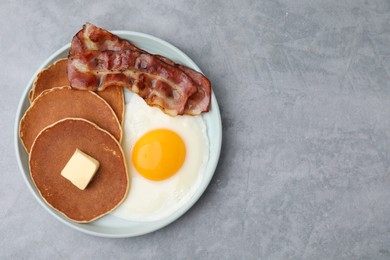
column 304, row 92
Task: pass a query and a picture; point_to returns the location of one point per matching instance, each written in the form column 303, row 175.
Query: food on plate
column 158, row 154
column 56, row 76
column 160, row 84
column 73, row 134
column 51, row 151
column 99, row 59
column 58, row 103
column 116, row 99
column 160, row 184
column 53, row 76
column 80, row 169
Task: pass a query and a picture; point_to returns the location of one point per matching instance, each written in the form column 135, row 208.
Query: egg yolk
column 159, row 154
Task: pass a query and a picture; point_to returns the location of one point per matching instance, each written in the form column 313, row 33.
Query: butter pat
column 80, row 169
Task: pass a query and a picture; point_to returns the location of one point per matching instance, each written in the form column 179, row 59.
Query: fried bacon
column 92, row 38
column 160, row 84
column 99, row 59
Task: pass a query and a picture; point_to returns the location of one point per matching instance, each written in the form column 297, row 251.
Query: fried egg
column 166, row 158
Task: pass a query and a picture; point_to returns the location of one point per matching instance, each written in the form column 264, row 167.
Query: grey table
column 304, row 92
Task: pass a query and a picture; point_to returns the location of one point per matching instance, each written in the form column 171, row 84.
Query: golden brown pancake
column 58, row 103
column 55, row 76
column 53, row 148
column 116, row 99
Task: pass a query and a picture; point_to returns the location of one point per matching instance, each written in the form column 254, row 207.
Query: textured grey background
column 303, row 88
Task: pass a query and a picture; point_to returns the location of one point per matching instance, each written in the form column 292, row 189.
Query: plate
column 111, row 226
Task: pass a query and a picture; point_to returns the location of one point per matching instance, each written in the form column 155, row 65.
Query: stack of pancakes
column 61, row 120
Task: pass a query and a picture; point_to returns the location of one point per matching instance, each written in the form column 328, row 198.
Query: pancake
column 58, row 103
column 49, row 155
column 116, row 99
column 55, row 76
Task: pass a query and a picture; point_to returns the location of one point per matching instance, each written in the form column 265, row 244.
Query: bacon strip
column 160, row 84
column 92, row 38
column 198, row 102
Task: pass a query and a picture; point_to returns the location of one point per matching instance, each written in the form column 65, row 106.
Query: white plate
column 110, row 226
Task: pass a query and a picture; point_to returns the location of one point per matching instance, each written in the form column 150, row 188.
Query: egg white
column 154, row 200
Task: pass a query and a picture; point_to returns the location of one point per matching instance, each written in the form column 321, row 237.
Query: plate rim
column 173, row 217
